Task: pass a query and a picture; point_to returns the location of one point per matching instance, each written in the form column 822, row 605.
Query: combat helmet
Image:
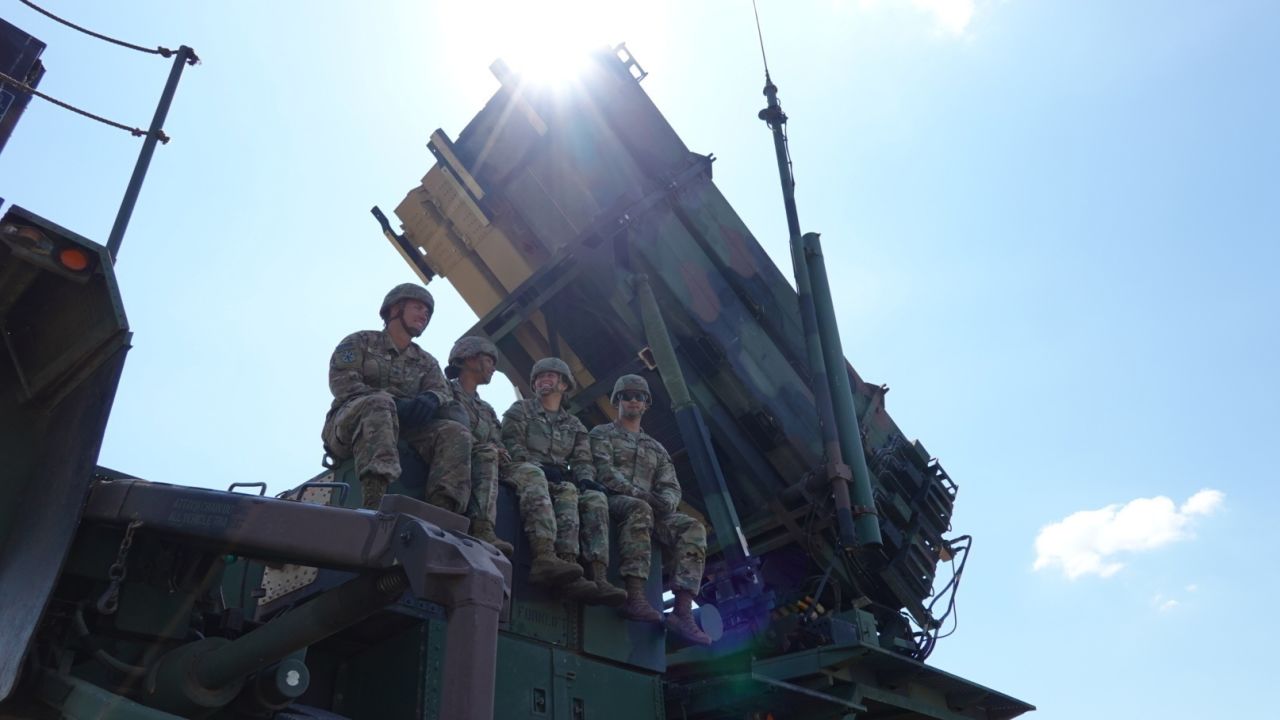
column 553, row 364
column 407, row 291
column 630, row 382
column 467, row 347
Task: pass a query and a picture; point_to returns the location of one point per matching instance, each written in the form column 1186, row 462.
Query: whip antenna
column 760, row 35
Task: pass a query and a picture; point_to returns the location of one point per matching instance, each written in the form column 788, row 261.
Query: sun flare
column 548, row 41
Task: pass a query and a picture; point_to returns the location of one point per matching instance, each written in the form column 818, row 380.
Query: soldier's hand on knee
column 417, row 411
column 553, row 473
column 656, row 502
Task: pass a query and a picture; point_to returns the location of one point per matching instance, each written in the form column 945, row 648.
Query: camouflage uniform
column 486, row 453
column 367, row 373
column 631, row 465
column 534, row 436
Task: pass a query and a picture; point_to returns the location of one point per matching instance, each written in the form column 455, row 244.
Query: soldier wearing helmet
column 472, row 362
column 386, row 388
column 643, row 496
column 551, row 457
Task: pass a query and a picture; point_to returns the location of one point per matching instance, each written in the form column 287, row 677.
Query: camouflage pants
column 551, row 512
column 582, row 521
column 446, row 447
column 484, row 484
column 681, row 537
column 366, row 428
column 535, row 502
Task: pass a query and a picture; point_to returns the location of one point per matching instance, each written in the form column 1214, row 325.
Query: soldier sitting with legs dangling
column 471, row 364
column 551, row 456
column 386, row 388
column 643, row 495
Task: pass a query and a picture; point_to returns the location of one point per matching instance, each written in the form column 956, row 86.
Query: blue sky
column 1053, row 228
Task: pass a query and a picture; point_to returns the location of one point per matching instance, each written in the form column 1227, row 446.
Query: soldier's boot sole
column 640, row 610
column 552, row 571
column 686, row 627
column 582, row 590
column 609, row 595
column 486, row 535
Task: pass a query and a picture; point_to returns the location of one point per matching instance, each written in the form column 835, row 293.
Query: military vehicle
column 575, row 224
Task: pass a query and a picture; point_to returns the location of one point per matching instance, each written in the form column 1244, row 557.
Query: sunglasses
column 633, row 396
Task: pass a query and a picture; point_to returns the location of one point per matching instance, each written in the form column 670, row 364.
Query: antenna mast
column 841, row 440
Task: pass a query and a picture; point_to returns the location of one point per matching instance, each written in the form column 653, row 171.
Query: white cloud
column 1087, row 542
column 951, row 16
column 1203, row 503
column 1168, row 605
column 1192, row 588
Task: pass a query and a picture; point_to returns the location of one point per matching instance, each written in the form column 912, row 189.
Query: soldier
column 471, row 364
column 551, row 454
column 385, row 387
column 643, row 496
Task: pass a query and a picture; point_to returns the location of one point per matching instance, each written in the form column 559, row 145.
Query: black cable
column 134, row 131
column 159, row 50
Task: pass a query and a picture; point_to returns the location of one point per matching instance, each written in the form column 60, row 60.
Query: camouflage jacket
column 368, row 361
column 534, row 435
column 629, row 463
column 481, row 417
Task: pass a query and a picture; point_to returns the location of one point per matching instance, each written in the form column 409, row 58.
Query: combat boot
column 483, row 530
column 549, row 570
column 582, row 589
column 681, row 621
column 609, row 594
column 637, row 606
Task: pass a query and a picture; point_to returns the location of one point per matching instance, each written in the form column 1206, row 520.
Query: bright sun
column 546, row 40
column 549, row 41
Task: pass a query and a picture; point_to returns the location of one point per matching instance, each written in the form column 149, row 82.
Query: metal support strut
column 697, row 440
column 837, row 451
column 183, row 57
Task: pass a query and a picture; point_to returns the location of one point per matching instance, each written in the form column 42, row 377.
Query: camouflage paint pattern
column 634, row 466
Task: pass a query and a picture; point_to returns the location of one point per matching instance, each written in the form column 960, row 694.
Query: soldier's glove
column 657, row 502
column 586, row 484
column 454, row 411
column 414, row 412
column 554, row 473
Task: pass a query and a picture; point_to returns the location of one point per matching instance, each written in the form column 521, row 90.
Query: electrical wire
column 134, row 131
column 159, row 50
column 927, row 638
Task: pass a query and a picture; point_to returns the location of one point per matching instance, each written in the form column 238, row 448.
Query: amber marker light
column 73, row 259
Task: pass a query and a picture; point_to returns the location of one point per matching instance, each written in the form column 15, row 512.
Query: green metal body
column 142, row 600
column 866, row 522
column 541, row 213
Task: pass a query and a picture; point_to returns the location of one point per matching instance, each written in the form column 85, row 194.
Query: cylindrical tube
column 865, row 521
column 818, row 379
column 728, row 538
column 307, row 624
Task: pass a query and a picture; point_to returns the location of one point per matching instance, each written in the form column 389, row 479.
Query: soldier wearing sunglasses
column 643, row 496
